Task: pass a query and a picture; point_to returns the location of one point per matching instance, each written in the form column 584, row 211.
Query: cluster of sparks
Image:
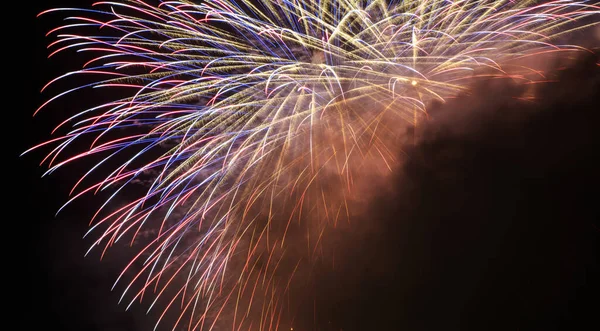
column 236, row 108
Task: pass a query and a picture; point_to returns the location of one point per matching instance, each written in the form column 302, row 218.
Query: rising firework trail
column 251, row 120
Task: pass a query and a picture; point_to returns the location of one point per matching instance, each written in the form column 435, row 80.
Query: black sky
column 61, row 289
column 492, row 225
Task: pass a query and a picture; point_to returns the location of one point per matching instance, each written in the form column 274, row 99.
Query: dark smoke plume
column 490, row 224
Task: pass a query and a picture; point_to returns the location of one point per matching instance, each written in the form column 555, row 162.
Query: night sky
column 65, row 291
column 491, row 225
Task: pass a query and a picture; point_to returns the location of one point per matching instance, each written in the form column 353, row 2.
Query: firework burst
column 244, row 116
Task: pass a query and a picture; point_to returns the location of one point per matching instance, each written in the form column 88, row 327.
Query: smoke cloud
column 491, row 223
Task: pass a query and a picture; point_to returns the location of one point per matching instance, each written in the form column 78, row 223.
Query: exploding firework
column 253, row 120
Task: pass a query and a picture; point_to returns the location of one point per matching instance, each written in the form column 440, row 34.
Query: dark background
column 499, row 226
column 61, row 289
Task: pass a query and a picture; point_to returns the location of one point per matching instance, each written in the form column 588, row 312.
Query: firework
column 245, row 116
